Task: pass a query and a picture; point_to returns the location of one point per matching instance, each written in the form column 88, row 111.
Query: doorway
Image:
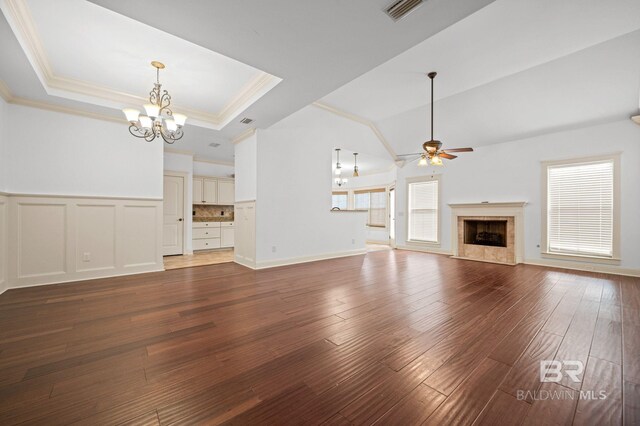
column 392, row 217
column 173, row 212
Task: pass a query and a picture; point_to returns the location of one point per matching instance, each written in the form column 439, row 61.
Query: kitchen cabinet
column 206, row 235
column 205, row 190
column 226, row 192
column 227, row 234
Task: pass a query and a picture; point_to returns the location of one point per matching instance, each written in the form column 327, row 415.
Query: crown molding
column 178, row 151
column 9, row 98
column 216, row 162
column 5, row 93
column 244, row 135
column 22, row 23
column 362, row 121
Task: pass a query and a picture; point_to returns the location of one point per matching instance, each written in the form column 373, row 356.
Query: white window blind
column 423, row 211
column 375, row 201
column 340, row 200
column 580, row 208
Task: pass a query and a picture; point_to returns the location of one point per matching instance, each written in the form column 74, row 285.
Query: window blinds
column 580, row 209
column 375, row 201
column 339, row 199
column 423, row 211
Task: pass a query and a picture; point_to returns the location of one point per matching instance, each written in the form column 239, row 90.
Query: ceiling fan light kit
column 160, row 120
column 432, row 149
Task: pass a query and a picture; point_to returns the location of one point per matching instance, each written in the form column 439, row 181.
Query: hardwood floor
column 393, row 337
column 199, row 258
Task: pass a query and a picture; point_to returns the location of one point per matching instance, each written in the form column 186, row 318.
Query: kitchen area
column 212, row 223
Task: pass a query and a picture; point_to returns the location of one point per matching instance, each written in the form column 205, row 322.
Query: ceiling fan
column 433, row 152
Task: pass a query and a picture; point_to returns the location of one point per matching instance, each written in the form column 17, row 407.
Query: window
column 339, row 199
column 423, row 209
column 581, row 208
column 375, row 201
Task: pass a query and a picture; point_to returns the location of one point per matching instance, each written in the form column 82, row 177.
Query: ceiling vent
column 402, row 8
column 246, row 120
column 214, row 144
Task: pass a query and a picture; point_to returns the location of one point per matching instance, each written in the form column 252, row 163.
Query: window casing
column 423, row 212
column 580, row 214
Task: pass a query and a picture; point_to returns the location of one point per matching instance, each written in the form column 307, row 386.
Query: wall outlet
column 273, row 249
column 222, row 213
column 86, row 257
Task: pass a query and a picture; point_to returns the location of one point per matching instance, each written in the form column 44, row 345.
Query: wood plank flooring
column 391, row 337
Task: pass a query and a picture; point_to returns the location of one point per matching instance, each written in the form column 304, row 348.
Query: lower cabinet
column 212, row 235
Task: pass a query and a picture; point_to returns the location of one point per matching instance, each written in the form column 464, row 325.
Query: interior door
column 392, row 217
column 173, row 210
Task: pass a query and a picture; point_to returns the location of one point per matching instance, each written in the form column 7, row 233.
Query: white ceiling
column 502, row 39
column 512, row 69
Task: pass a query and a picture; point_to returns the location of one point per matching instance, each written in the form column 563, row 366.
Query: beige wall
column 59, row 239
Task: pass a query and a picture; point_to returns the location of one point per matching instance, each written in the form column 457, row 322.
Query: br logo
column 554, row 371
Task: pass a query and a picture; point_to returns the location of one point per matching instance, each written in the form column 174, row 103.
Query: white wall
column 512, row 172
column 294, row 178
column 4, row 141
column 62, row 154
column 204, row 168
column 246, row 168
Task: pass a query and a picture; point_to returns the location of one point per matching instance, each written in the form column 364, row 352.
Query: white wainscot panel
column 95, row 237
column 41, row 247
column 140, row 236
column 4, row 217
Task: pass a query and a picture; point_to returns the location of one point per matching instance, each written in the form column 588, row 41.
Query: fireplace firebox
column 485, row 232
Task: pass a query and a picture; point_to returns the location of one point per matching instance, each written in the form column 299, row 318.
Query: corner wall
column 83, row 198
column 512, row 172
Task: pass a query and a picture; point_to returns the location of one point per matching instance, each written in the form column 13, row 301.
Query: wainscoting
column 58, row 239
column 4, row 241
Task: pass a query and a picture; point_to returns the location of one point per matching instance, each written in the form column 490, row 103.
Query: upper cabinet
column 226, row 192
column 209, row 190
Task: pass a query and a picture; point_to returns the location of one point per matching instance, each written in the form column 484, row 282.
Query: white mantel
column 512, row 208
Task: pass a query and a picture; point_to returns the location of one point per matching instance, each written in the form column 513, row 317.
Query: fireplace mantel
column 513, row 209
column 499, row 204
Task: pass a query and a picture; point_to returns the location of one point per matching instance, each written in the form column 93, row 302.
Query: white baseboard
column 304, row 259
column 246, row 264
column 433, row 250
column 584, row 266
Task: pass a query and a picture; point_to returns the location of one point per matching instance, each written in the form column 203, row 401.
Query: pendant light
column 355, row 167
column 338, row 166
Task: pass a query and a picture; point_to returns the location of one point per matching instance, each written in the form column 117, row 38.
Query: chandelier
column 160, row 121
column 339, row 180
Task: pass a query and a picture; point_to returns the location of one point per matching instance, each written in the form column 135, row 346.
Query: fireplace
column 485, row 232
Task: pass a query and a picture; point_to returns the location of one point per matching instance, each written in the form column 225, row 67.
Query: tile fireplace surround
column 511, row 212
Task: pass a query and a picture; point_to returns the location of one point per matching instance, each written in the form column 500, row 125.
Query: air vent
column 214, row 144
column 246, row 120
column 402, row 8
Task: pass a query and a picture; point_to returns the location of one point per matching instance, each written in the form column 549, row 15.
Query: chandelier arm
column 166, row 97
column 138, row 132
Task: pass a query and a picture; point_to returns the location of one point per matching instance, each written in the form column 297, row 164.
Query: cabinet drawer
column 200, row 233
column 226, row 224
column 206, row 224
column 209, row 243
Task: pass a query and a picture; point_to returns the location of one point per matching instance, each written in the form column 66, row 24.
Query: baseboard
column 433, row 250
column 78, row 279
column 583, row 266
column 305, row 259
column 249, row 265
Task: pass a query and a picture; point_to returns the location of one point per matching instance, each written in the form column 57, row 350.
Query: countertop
column 212, row 219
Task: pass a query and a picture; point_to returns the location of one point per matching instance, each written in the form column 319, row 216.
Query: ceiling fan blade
column 409, row 155
column 447, row 156
column 460, row 150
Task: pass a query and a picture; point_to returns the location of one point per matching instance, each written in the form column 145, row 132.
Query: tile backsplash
column 225, row 212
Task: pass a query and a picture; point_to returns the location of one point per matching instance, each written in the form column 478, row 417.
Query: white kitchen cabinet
column 210, row 191
column 226, row 192
column 227, row 236
column 206, row 235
